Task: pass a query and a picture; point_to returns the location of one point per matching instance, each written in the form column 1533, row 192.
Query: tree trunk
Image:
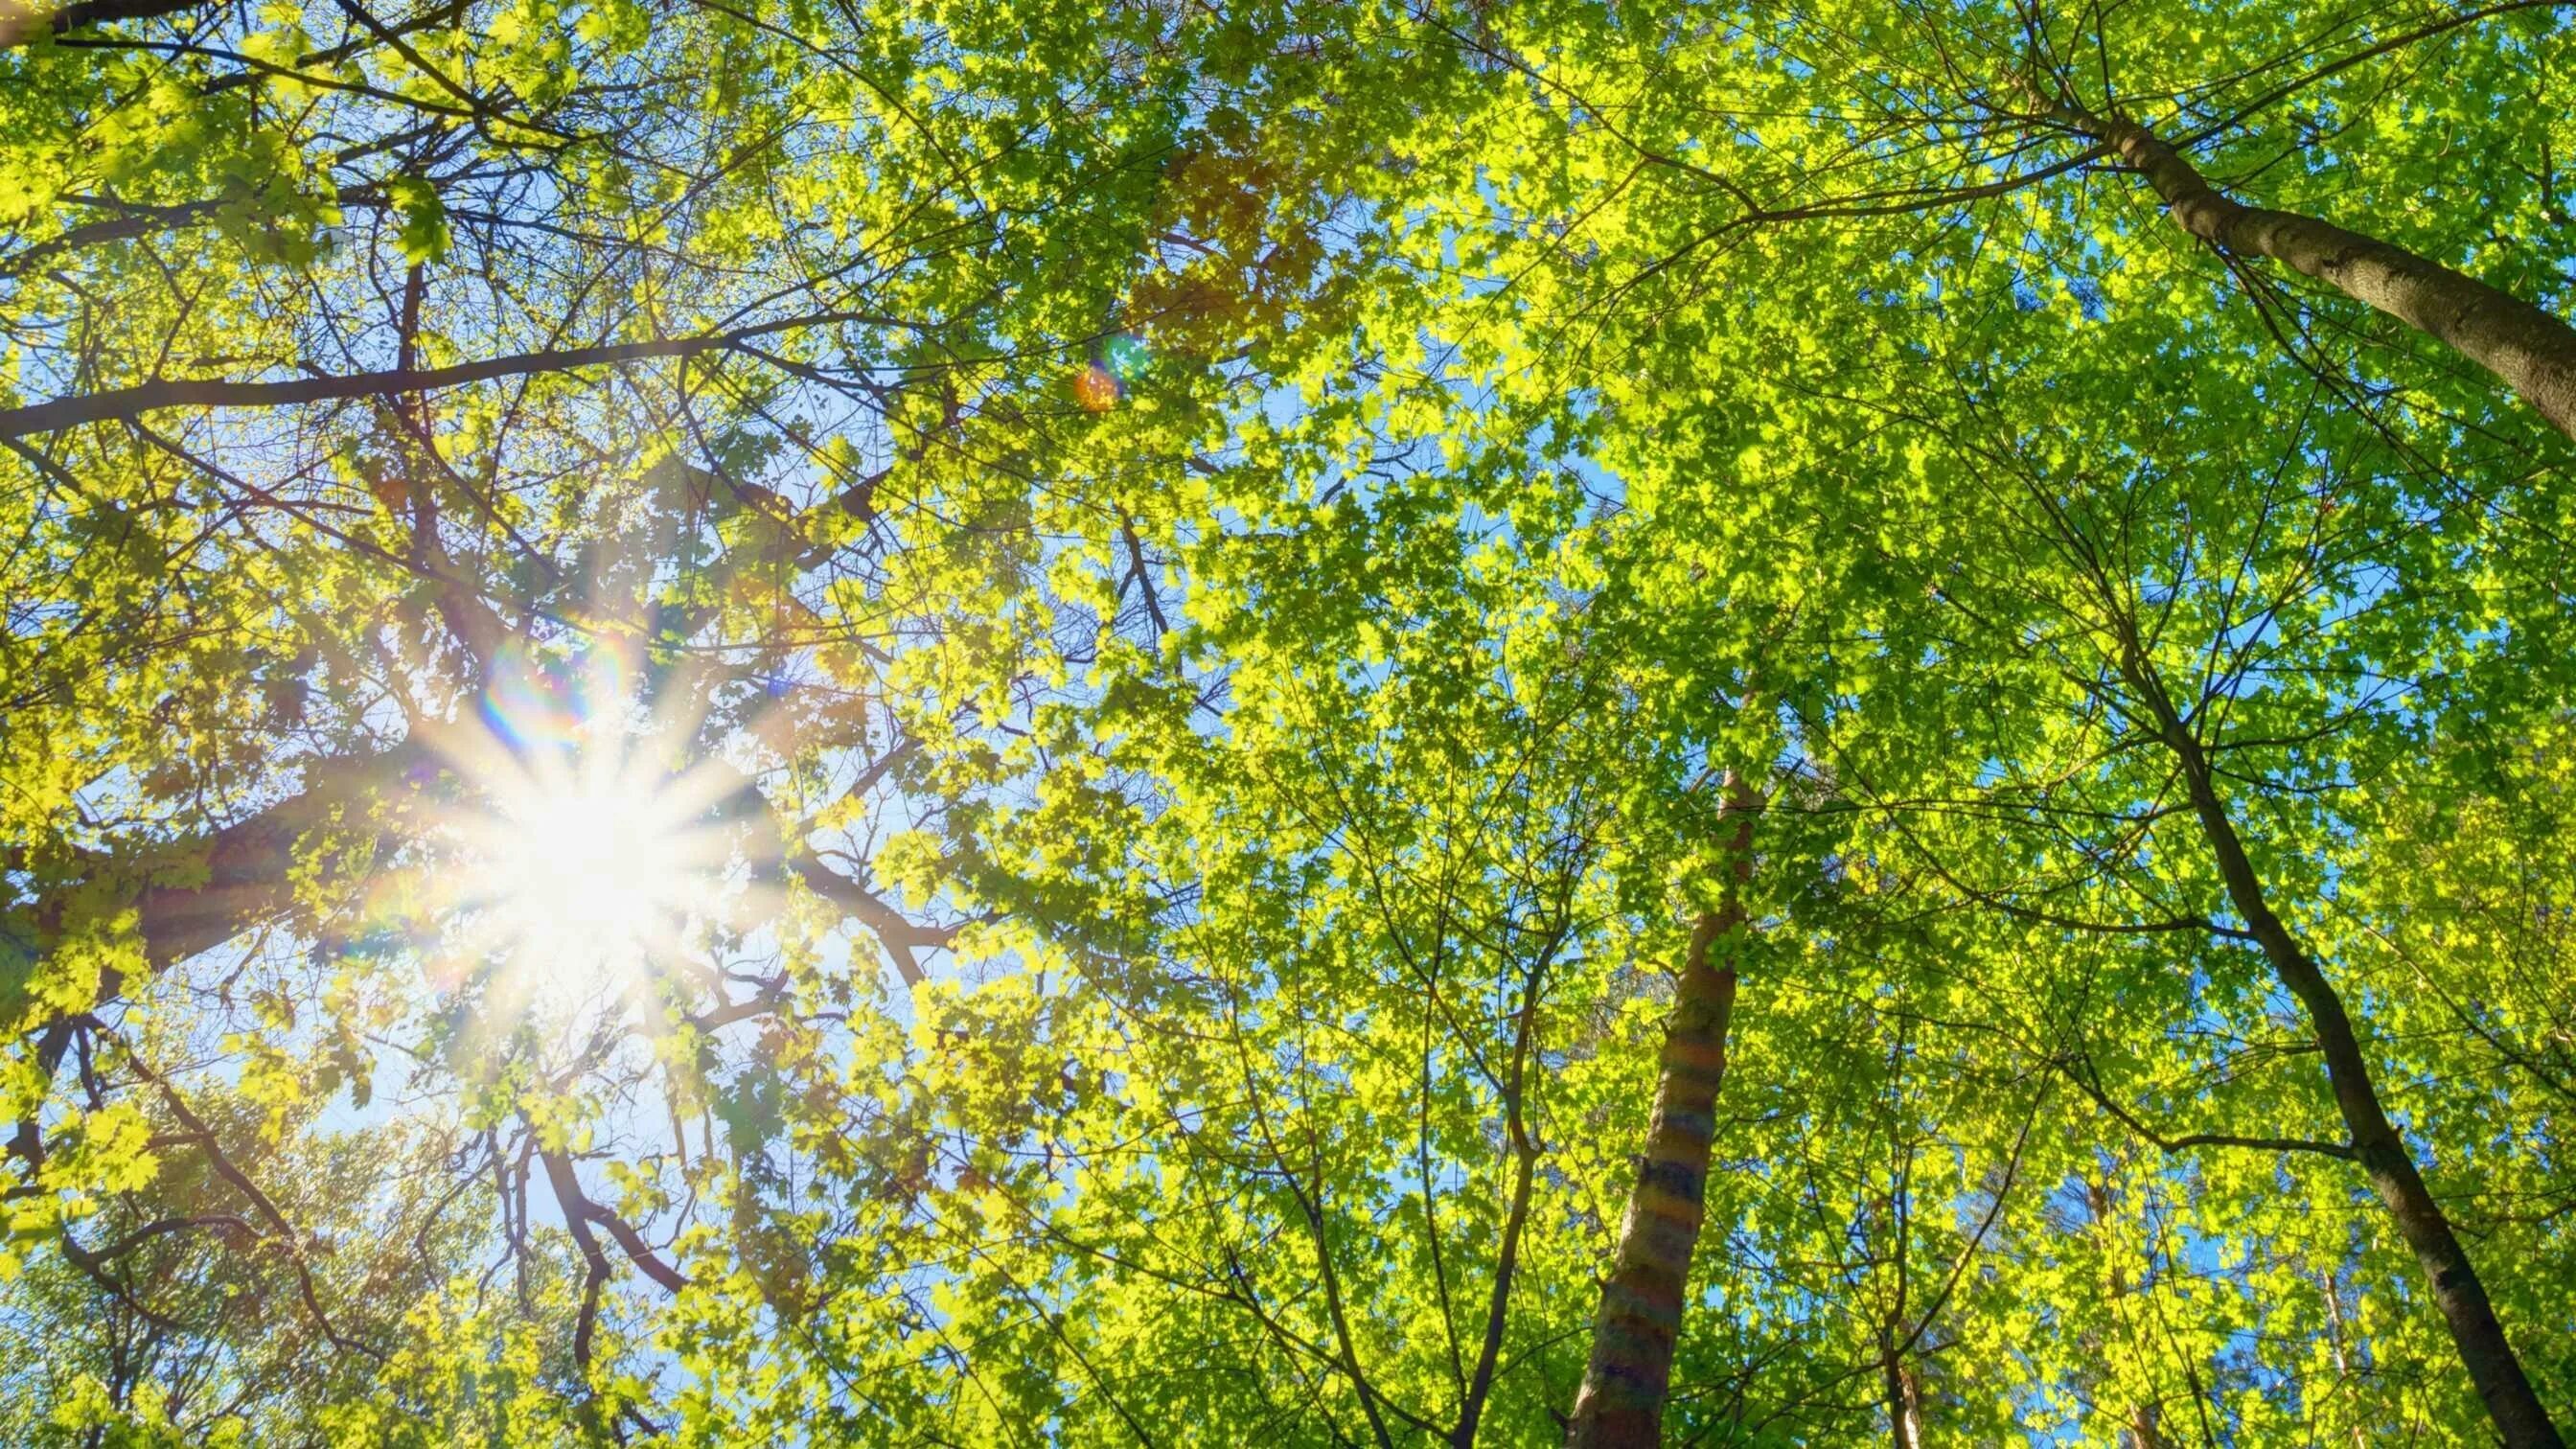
column 239, row 876
column 1904, row 1398
column 2343, row 1365
column 2376, row 1145
column 1621, row 1403
column 2532, row 351
column 2142, row 1432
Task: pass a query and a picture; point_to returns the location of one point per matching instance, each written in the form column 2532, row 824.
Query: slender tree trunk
column 2532, row 351
column 1621, row 1403
column 2375, row 1143
column 2343, row 1365
column 1904, row 1398
column 2143, row 1418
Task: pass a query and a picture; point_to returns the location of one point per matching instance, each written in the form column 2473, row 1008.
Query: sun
column 587, row 862
column 590, row 877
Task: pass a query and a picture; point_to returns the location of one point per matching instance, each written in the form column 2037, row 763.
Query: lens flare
column 1096, row 389
column 1123, row 362
column 1126, row 358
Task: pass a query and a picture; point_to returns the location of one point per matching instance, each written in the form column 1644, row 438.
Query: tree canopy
column 1117, row 721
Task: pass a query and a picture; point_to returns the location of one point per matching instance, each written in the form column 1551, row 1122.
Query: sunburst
column 587, row 858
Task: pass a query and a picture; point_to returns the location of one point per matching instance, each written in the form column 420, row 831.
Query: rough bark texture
column 2532, row 351
column 2376, row 1145
column 1621, row 1402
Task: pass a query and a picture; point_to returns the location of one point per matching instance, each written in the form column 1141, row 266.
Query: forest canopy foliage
column 1131, row 721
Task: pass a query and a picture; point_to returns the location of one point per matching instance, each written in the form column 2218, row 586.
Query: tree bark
column 1904, row 1399
column 21, row 21
column 2490, row 1359
column 1621, row 1402
column 2533, row 352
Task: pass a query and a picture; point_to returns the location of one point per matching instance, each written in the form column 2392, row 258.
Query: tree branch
column 126, row 402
